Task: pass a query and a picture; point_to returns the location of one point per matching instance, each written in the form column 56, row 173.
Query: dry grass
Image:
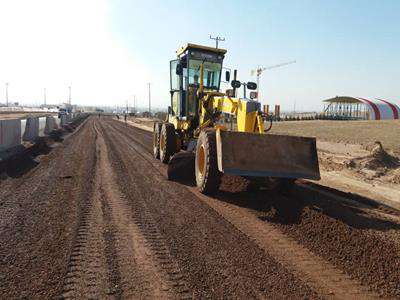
column 352, row 132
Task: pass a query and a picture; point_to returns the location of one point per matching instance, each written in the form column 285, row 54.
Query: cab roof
column 188, row 46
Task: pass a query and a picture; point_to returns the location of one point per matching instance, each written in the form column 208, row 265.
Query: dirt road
column 96, row 218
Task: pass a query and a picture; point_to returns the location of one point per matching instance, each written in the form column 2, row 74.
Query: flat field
column 351, row 132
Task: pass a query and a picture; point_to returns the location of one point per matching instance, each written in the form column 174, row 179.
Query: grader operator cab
column 196, row 141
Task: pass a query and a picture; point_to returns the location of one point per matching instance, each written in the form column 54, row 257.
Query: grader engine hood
column 267, row 155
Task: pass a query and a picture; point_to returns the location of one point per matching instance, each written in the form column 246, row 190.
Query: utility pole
column 134, row 104
column 217, row 39
column 44, row 96
column 149, row 98
column 127, row 104
column 259, row 70
column 7, row 94
column 69, row 96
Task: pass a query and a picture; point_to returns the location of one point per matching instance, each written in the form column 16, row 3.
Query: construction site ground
column 345, row 154
column 92, row 215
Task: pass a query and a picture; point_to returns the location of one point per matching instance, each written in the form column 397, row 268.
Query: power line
column 149, row 98
column 6, row 93
column 69, row 95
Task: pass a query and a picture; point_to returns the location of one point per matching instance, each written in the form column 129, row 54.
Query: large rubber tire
column 156, row 139
column 167, row 142
column 208, row 177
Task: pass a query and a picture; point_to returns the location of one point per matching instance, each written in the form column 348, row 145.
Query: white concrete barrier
column 23, row 127
column 10, row 134
column 31, row 130
column 63, row 120
column 42, row 126
column 50, row 125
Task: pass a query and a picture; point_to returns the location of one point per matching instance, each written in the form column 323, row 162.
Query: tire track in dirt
column 110, row 257
column 338, row 282
column 138, row 242
column 88, row 273
column 38, row 218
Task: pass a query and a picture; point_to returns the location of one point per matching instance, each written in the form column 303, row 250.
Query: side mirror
column 179, row 69
column 169, row 110
column 227, row 76
column 236, row 84
column 251, row 86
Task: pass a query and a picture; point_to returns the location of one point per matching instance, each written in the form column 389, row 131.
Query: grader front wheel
column 208, row 177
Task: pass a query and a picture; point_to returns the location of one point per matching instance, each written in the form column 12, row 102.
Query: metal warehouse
column 357, row 108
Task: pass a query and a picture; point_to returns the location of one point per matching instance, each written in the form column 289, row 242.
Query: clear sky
column 108, row 50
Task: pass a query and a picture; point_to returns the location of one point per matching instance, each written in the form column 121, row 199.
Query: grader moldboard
column 208, row 133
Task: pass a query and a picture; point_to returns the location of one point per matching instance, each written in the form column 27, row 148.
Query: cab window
column 211, row 73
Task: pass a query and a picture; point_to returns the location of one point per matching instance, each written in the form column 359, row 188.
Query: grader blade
column 267, row 155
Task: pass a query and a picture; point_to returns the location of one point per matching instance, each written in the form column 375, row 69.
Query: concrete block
column 31, row 130
column 23, row 126
column 42, row 126
column 50, row 125
column 63, row 120
column 10, row 134
column 58, row 121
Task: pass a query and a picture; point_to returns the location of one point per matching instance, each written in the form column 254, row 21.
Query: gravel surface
column 360, row 238
column 94, row 217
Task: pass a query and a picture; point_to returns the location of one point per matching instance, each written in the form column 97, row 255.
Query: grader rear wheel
column 156, row 139
column 167, row 142
column 208, row 177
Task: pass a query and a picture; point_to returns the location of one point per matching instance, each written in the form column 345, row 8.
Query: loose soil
column 96, row 218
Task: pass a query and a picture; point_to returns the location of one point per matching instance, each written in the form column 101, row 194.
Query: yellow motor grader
column 208, row 133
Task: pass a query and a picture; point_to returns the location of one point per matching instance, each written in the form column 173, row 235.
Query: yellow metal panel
column 246, row 121
column 226, row 104
column 267, row 155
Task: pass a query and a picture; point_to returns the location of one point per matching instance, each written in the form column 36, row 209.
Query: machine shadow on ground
column 287, row 207
column 356, row 213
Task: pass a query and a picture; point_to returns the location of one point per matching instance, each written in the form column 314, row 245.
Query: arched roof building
column 347, row 108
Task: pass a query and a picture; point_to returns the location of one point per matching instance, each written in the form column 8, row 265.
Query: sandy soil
column 363, row 133
column 96, row 218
